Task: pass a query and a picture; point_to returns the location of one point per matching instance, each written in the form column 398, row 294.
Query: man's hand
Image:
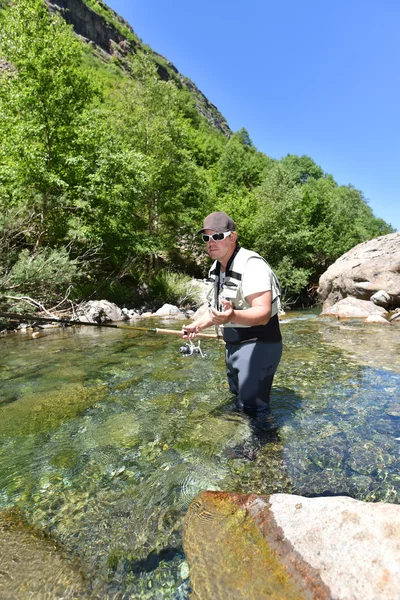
column 190, row 331
column 224, row 316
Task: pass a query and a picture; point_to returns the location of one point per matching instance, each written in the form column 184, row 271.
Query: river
column 106, row 436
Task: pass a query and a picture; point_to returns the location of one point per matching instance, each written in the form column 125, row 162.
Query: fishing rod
column 19, row 317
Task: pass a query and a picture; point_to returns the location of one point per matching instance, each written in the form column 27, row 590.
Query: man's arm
column 259, row 312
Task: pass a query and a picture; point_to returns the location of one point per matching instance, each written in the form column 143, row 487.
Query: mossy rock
column 122, row 430
column 39, row 412
column 32, row 563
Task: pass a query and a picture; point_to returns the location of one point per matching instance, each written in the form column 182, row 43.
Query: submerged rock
column 285, row 546
column 32, row 566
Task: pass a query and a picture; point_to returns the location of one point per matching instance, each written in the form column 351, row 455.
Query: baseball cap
column 218, row 221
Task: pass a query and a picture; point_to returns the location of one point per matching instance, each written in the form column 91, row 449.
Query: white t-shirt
column 257, row 277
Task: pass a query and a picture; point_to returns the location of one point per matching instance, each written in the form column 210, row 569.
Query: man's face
column 221, row 250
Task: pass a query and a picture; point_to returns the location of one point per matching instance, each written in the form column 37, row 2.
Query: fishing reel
column 189, row 348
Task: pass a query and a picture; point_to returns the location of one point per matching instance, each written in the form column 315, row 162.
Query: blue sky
column 312, row 77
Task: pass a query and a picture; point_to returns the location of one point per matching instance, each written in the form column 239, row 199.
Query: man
column 244, row 301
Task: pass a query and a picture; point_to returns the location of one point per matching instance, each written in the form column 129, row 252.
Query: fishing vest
column 231, row 290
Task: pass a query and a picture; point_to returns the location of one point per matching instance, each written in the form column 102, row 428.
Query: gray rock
column 353, row 545
column 352, row 308
column 368, row 268
column 381, row 298
column 100, row 311
column 168, row 310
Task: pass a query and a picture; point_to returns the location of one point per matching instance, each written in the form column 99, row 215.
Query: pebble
column 184, row 570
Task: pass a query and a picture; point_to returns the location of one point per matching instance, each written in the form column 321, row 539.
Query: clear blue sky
column 312, row 77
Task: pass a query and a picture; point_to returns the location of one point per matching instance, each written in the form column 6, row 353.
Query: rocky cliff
column 112, row 36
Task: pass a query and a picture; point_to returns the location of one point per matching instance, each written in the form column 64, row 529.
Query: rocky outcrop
column 101, row 31
column 100, row 311
column 369, row 272
column 283, row 547
column 352, row 308
column 90, row 25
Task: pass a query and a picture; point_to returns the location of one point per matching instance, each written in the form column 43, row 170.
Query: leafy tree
column 301, row 168
column 281, row 229
column 41, row 104
column 148, row 119
column 304, row 227
column 240, row 166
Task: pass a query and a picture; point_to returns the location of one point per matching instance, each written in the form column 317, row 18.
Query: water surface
column 107, row 435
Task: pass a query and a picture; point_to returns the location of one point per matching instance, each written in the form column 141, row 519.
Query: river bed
column 107, row 435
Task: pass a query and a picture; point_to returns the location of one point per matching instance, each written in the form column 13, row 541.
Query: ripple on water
column 107, row 437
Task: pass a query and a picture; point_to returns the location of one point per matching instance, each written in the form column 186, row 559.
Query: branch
column 64, row 299
column 32, row 302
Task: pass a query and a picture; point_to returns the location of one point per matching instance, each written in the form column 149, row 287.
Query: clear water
column 107, row 435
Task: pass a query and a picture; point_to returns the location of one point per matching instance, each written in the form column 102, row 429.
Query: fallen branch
column 32, row 302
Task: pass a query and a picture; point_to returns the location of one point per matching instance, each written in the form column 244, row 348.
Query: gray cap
column 219, row 222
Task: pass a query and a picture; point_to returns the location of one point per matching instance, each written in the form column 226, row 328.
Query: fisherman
column 244, row 302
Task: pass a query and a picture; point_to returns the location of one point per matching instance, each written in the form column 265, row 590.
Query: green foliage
column 172, row 288
column 304, row 227
column 240, row 165
column 41, row 104
column 103, row 184
column 149, row 123
column 301, row 168
column 45, row 273
column 45, row 276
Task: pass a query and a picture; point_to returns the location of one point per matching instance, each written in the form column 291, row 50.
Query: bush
column 172, row 288
column 44, row 276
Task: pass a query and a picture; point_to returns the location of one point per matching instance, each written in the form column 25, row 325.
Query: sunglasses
column 217, row 237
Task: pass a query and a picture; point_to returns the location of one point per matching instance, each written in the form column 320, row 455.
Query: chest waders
column 252, row 354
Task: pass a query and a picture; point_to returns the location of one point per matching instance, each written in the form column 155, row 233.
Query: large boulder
column 99, row 311
column 370, row 271
column 248, row 547
column 352, row 308
column 169, row 310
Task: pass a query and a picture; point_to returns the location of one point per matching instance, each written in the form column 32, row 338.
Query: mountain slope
column 113, row 37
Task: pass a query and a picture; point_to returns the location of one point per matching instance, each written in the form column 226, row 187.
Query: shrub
column 44, row 276
column 172, row 288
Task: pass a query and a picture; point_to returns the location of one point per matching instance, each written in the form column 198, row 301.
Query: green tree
column 301, row 168
column 148, row 119
column 301, row 228
column 240, row 166
column 282, row 233
column 42, row 100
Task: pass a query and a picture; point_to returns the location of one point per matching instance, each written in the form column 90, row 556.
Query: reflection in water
column 106, row 436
